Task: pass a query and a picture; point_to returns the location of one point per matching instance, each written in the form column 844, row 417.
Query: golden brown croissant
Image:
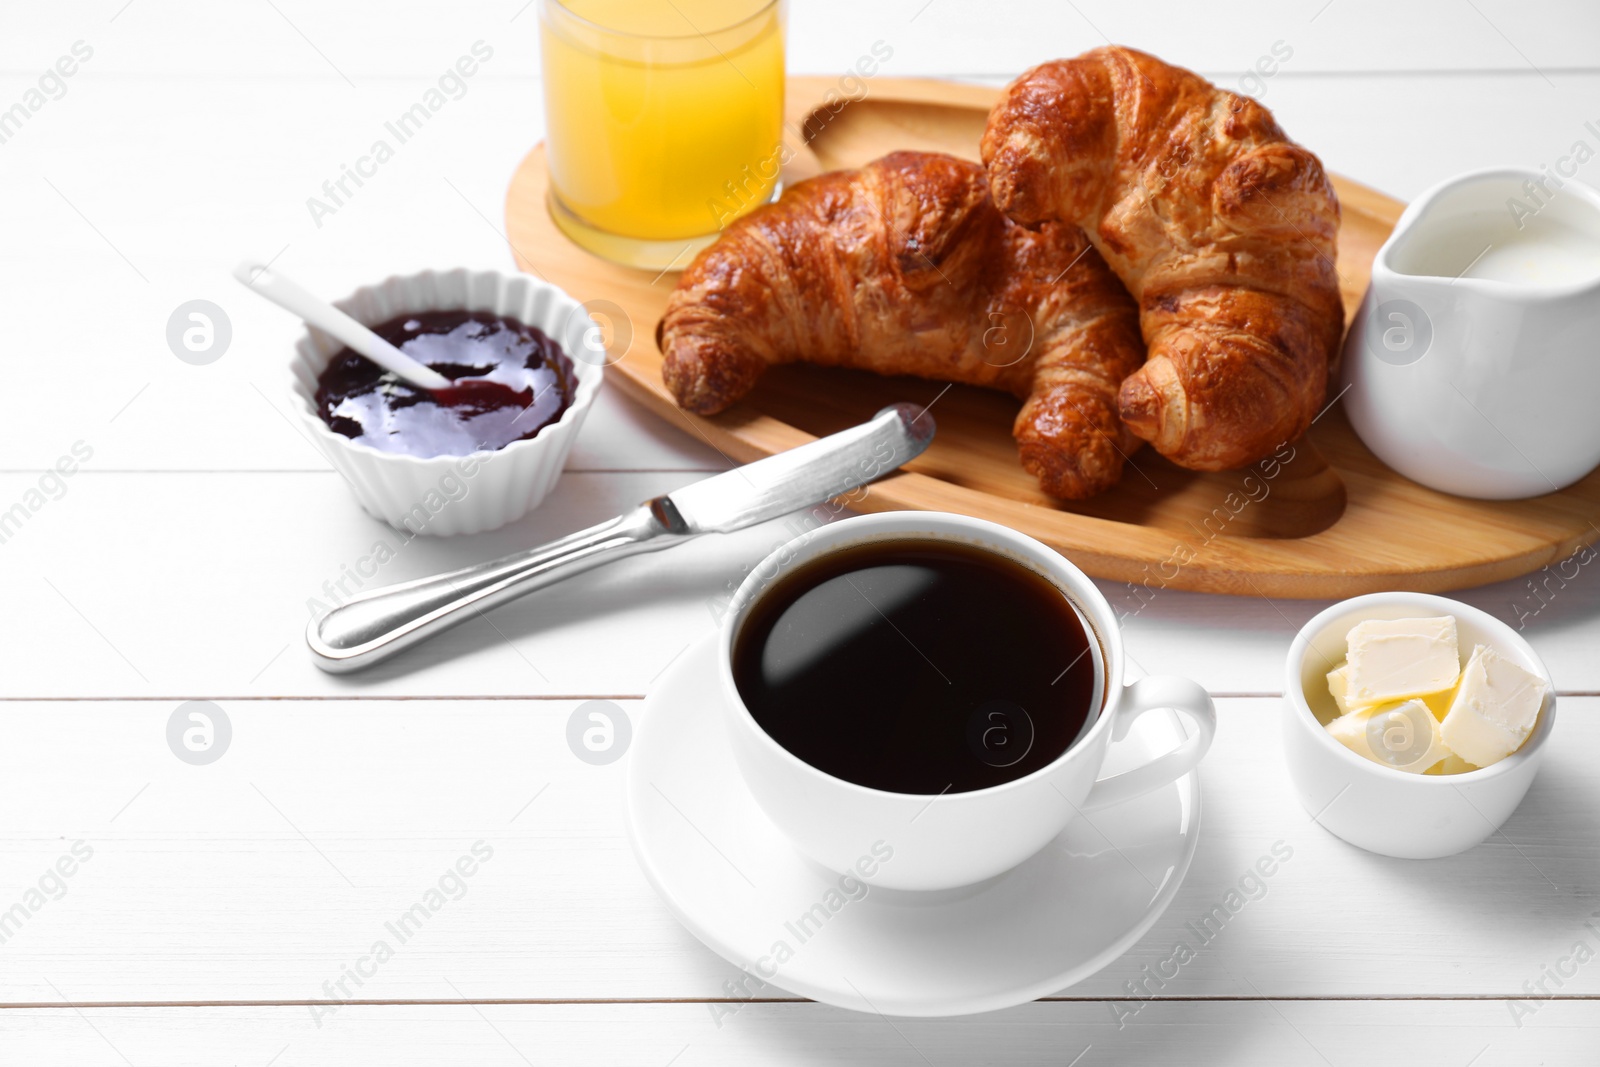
column 906, row 267
column 1221, row 227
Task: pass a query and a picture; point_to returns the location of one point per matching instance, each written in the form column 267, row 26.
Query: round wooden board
column 1325, row 520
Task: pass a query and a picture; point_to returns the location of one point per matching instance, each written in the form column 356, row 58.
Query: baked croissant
column 906, row 267
column 1221, row 227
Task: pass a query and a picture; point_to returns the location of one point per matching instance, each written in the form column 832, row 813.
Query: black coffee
column 917, row 667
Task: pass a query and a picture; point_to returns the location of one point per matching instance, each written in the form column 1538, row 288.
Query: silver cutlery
column 376, row 625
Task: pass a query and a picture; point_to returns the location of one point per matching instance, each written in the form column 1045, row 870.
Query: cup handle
column 1148, row 694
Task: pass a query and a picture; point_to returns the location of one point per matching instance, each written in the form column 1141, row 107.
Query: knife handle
column 374, row 626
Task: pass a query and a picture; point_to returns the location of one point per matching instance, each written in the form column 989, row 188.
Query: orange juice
column 665, row 120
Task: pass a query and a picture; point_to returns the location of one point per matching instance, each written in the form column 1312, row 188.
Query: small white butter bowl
column 445, row 495
column 1411, row 816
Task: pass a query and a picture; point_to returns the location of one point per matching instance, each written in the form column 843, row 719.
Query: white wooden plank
column 194, row 136
column 200, row 584
column 621, row 435
column 265, row 874
column 245, row 156
column 150, row 584
column 1239, row 644
column 125, row 254
column 365, row 41
column 207, row 580
column 1247, row 1034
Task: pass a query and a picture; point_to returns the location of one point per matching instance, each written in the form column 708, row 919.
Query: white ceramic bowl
column 1412, row 816
column 455, row 494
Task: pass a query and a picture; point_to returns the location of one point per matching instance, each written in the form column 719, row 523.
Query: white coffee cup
column 954, row 839
column 1473, row 364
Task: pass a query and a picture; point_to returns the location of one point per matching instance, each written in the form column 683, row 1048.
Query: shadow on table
column 1529, row 885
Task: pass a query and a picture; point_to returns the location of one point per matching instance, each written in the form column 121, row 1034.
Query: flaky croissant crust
column 905, row 266
column 1221, row 227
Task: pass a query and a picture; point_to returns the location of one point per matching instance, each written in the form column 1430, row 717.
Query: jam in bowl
column 511, row 380
column 525, row 365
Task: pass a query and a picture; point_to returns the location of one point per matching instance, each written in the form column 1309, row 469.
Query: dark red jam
column 511, row 382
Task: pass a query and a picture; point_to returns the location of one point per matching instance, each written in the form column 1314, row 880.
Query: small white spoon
column 289, row 296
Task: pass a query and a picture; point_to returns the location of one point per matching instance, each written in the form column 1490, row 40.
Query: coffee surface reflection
column 917, row 667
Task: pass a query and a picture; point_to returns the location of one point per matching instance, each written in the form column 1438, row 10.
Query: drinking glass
column 664, row 120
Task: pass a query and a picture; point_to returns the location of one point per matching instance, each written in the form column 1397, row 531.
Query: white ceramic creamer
column 1473, row 365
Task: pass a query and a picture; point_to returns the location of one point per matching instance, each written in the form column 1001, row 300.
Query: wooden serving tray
column 1332, row 521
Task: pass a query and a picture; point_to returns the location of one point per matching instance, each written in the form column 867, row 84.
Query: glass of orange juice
column 664, row 120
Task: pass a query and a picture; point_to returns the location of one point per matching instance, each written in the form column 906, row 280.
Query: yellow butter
column 1339, row 688
column 1401, row 734
column 1451, row 764
column 1393, row 659
column 1494, row 709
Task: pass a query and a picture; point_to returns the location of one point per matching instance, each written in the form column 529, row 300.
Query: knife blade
column 378, row 624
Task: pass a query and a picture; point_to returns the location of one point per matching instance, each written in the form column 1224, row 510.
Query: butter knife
column 376, row 625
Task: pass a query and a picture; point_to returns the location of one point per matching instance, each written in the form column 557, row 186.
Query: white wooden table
column 216, row 901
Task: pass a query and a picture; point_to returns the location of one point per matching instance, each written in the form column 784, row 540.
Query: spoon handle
column 329, row 319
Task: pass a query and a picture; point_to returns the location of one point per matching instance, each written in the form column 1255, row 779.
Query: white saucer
column 739, row 886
